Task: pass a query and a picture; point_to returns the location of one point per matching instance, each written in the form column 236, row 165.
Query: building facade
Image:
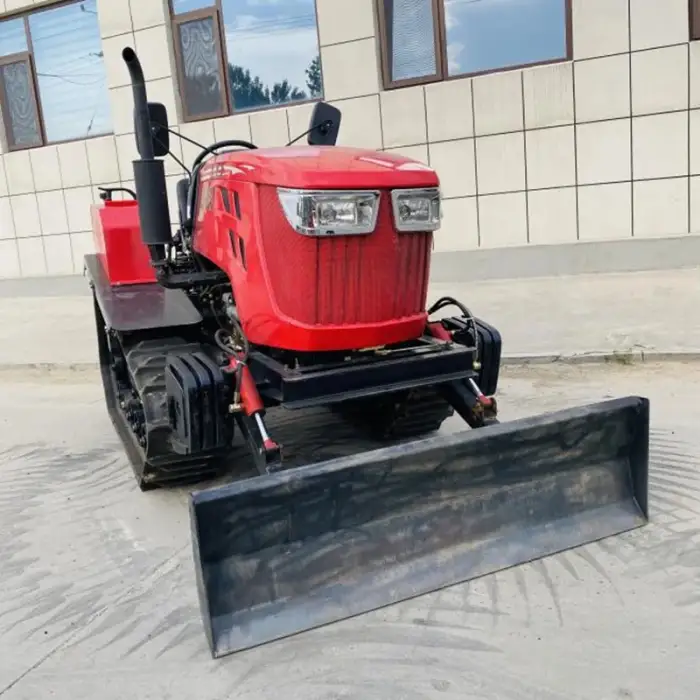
column 566, row 133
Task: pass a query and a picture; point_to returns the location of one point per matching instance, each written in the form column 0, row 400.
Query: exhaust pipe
column 149, row 172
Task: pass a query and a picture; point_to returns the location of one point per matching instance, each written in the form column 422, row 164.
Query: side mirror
column 158, row 116
column 325, row 125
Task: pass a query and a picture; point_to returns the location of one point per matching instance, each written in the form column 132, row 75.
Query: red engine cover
column 314, row 294
column 117, row 235
column 346, row 280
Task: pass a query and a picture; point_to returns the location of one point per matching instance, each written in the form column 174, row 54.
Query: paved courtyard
column 51, row 321
column 98, row 597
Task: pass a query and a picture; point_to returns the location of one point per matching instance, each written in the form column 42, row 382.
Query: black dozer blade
column 279, row 554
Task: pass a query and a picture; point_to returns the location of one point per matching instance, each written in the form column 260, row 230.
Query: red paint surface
column 437, row 330
column 117, row 236
column 314, row 294
column 322, row 167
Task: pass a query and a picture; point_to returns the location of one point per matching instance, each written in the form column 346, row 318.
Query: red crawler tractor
column 298, row 277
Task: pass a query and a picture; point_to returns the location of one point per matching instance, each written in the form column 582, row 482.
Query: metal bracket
column 266, row 453
column 466, row 398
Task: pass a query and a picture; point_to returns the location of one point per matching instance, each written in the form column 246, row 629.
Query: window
column 428, row 40
column 238, row 55
column 53, row 83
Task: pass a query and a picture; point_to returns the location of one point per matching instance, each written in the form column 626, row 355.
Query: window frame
column 24, row 14
column 440, row 47
column 215, row 11
column 22, row 57
column 694, row 19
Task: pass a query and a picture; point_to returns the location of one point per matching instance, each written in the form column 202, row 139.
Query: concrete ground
column 50, row 321
column 98, row 600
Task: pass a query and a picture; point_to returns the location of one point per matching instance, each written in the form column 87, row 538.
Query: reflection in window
column 19, row 109
column 410, row 31
column 53, row 83
column 246, row 54
column 428, row 40
column 70, row 71
column 273, row 54
column 200, row 68
column 13, row 38
column 485, row 35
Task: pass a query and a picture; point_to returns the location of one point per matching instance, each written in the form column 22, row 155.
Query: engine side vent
column 234, row 243
column 225, row 198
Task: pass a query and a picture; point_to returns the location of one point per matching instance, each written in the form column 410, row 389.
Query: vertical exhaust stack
column 149, row 172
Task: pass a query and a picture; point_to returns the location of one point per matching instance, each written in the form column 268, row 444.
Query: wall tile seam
column 251, row 113
column 689, row 144
column 581, row 186
column 43, row 251
column 472, row 103
column 468, row 76
column 630, row 116
column 106, row 37
column 334, row 100
column 57, row 189
column 521, row 70
column 675, row 44
column 347, row 41
column 147, row 26
column 597, row 57
column 133, row 29
column 654, row 113
column 525, row 159
column 95, row 183
column 637, row 115
column 577, row 206
column 541, row 128
column 92, row 185
column 42, row 237
column 131, row 16
column 380, row 111
column 632, row 120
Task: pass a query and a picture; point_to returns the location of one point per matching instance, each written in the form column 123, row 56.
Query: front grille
column 345, row 280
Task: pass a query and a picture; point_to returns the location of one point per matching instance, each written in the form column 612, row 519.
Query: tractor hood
column 321, row 167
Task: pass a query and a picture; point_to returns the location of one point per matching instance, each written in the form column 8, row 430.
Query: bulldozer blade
column 283, row 553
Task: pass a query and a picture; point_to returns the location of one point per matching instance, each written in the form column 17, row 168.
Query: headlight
column 417, row 209
column 330, row 213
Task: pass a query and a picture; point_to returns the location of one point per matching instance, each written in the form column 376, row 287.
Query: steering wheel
column 198, row 162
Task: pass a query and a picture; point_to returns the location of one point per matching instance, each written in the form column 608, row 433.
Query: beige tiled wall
column 601, row 148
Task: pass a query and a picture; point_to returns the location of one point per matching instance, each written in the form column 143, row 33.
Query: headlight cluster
column 416, row 210
column 327, row 213
column 342, row 213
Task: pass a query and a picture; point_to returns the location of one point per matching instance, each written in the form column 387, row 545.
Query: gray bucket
column 280, row 554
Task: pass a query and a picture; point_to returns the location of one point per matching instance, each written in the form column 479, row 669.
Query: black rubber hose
column 450, row 301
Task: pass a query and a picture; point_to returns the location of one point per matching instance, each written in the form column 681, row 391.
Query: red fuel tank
column 117, row 236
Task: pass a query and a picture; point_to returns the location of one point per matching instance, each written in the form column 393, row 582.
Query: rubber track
column 398, row 417
column 146, row 362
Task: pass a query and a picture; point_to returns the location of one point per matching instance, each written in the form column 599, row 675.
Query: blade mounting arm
column 476, row 409
column 266, row 452
column 249, row 412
